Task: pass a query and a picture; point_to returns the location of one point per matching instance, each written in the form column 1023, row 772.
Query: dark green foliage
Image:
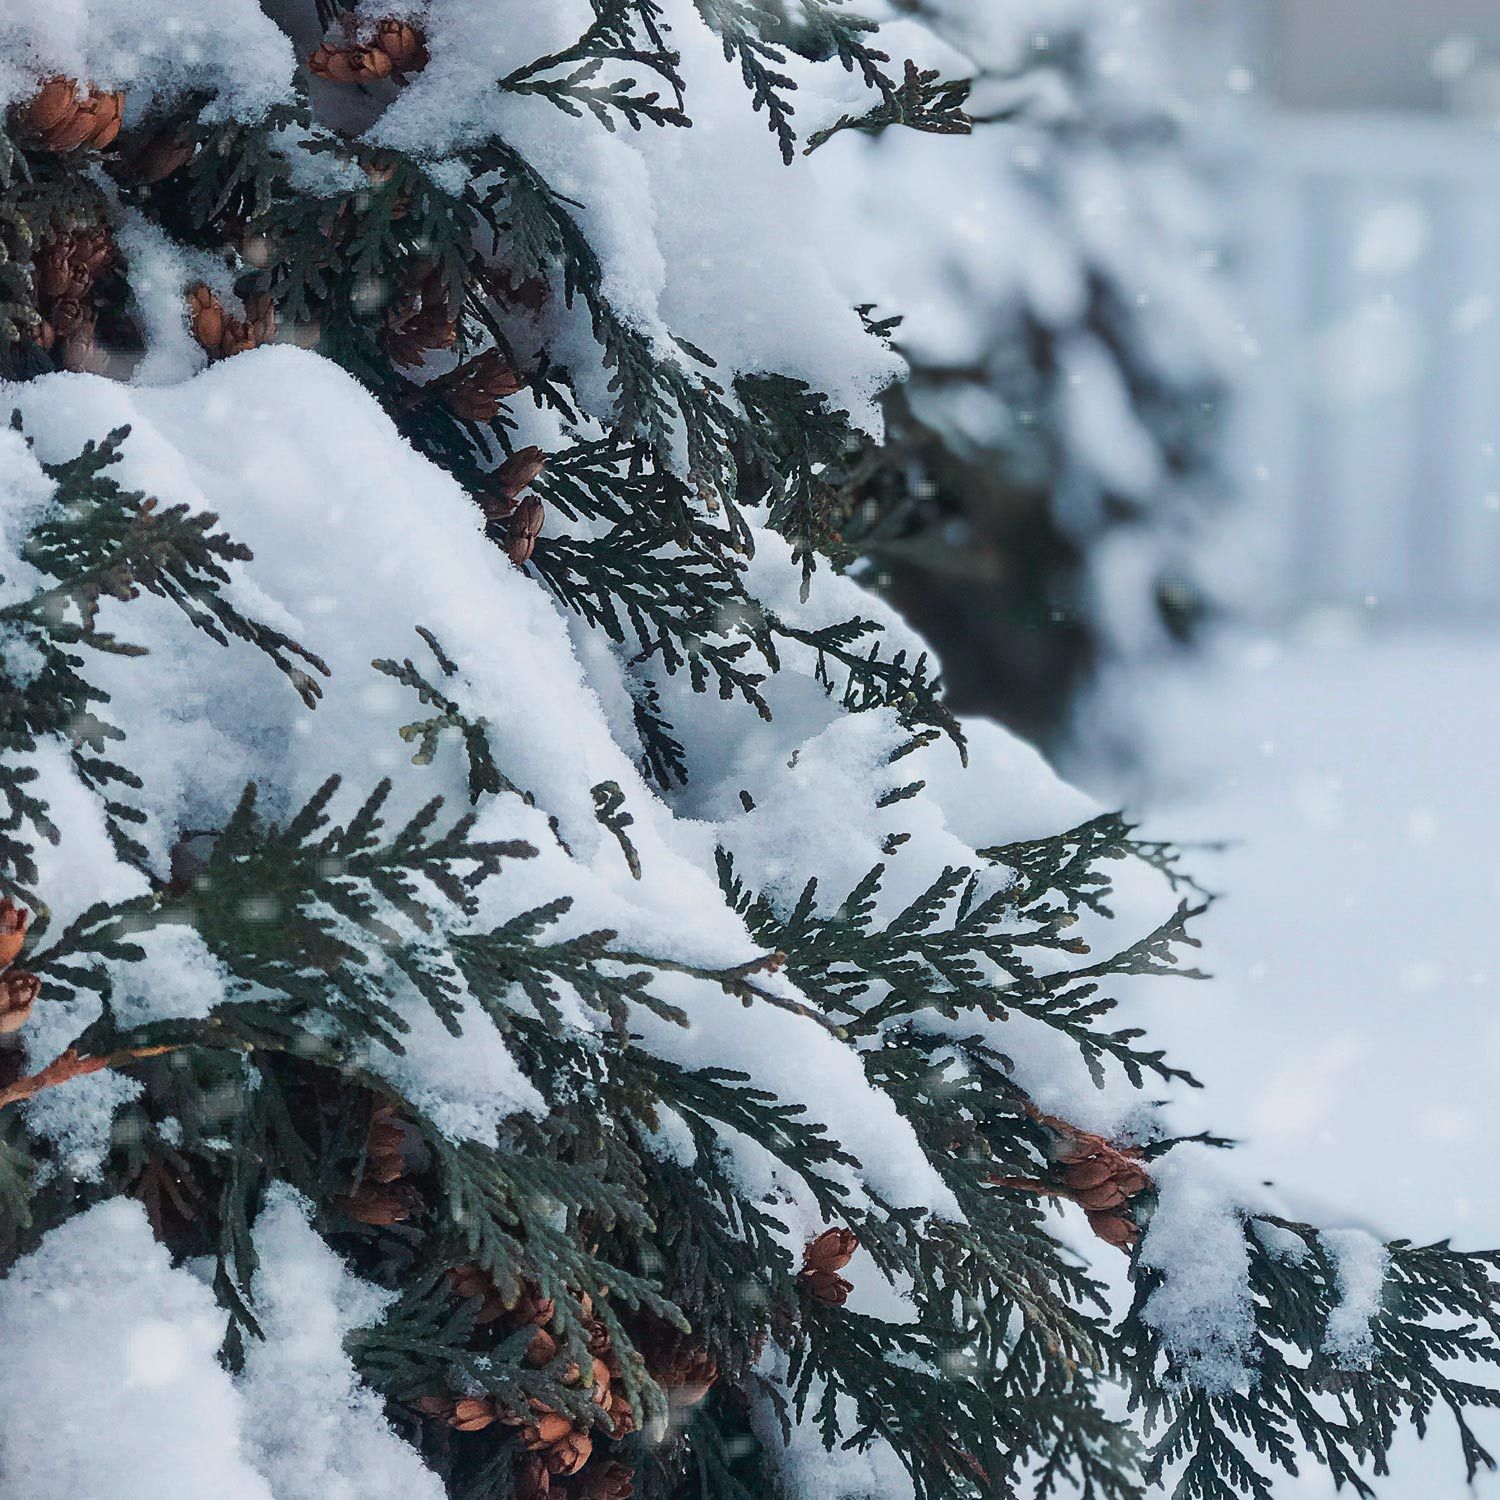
column 346, row 918
column 1305, row 1400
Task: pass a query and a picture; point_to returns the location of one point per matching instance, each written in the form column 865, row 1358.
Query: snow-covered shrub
column 494, row 925
column 1056, row 456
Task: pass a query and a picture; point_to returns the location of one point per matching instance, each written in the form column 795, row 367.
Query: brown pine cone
column 520, row 471
column 684, row 1370
column 617, row 1409
column 1116, row 1229
column 404, row 44
column 158, row 157
column 607, row 1481
column 107, row 112
column 79, row 350
column 353, row 64
column 471, row 1281
column 531, row 1307
column 53, row 107
column 1089, row 1172
column 14, row 920
column 385, row 1157
column 60, row 119
column 463, row 1413
column 420, row 320
column 56, row 275
column 525, row 528
column 68, row 315
column 827, row 1287
column 542, row 1349
column 208, row 317
column 569, row 1454
column 18, row 993
column 1107, row 1195
column 547, row 1428
column 257, row 327
column 533, row 1482
column 473, row 392
column 381, row 1206
column 830, row 1251
column 1102, row 1178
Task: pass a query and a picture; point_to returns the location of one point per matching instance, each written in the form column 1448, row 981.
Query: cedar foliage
column 573, row 1246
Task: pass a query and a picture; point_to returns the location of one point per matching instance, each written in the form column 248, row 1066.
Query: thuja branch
column 71, row 1064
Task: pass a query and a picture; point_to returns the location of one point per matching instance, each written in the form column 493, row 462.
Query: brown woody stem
column 70, row 1065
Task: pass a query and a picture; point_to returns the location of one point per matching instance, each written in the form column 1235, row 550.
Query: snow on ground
column 1351, row 1036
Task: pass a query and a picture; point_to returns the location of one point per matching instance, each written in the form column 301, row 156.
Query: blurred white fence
column 1374, row 418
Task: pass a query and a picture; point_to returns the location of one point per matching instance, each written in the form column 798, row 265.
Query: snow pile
column 1361, row 1262
column 158, row 51
column 112, row 1386
column 311, row 1427
column 109, row 1372
column 738, row 276
column 1203, row 1310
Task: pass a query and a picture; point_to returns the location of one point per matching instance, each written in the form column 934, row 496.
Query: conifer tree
column 1053, row 464
column 513, row 981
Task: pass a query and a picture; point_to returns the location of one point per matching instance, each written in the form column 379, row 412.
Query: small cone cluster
column 558, row 1459
column 519, row 520
column 158, row 156
column 381, row 1198
column 420, row 320
column 822, row 1260
column 473, row 392
column 67, row 269
column 1102, row 1179
column 18, row 989
column 60, row 118
column 510, row 289
column 396, row 49
column 224, row 335
column 685, row 1370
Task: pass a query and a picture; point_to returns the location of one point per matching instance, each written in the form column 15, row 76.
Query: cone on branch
column 59, row 118
column 18, row 993
column 420, row 320
column 1101, row 1178
column 349, row 64
column 520, row 471
column 684, row 1369
column 532, row 1481
column 380, row 1198
column 531, row 1307
column 396, row 49
column 403, row 43
column 473, row 392
column 822, row 1260
column 224, row 335
column 15, row 921
column 525, row 527
column 65, row 270
column 471, row 1282
column 68, row 266
column 462, row 1413
column 157, row 157
column 606, row 1481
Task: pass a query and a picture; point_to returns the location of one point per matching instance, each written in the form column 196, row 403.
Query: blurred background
column 1196, row 483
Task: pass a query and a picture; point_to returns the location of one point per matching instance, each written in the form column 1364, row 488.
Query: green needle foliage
column 611, row 1228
